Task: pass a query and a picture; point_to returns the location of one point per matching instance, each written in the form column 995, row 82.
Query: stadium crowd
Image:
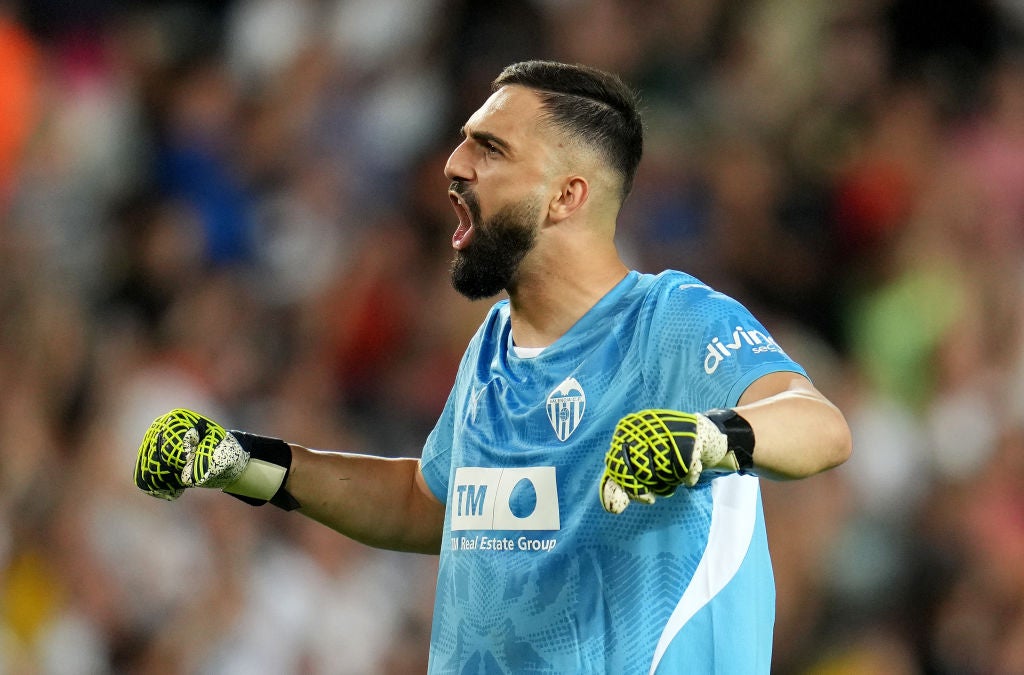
column 239, row 208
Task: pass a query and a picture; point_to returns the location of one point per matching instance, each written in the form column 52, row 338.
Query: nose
column 458, row 166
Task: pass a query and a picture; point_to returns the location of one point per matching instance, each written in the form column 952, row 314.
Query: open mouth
column 464, row 232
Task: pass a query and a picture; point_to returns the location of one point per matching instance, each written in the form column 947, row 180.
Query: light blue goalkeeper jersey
column 534, row 576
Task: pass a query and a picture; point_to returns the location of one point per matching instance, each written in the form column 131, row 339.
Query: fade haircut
column 590, row 105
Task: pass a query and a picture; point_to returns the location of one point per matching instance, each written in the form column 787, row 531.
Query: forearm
column 374, row 500
column 797, row 432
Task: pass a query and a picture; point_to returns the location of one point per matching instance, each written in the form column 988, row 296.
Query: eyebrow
column 484, row 137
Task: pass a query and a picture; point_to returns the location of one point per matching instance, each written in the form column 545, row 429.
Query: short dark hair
column 591, row 105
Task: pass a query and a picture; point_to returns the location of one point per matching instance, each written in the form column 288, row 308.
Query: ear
column 573, row 194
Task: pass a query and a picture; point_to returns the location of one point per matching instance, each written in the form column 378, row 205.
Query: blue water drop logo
column 522, row 501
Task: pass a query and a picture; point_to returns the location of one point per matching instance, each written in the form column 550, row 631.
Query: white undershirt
column 527, row 352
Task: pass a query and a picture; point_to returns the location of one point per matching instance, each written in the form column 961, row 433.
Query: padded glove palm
column 184, row 449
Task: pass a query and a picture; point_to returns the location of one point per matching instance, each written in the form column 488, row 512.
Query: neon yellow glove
column 653, row 452
column 183, row 449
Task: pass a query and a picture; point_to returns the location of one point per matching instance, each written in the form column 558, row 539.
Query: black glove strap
column 739, row 434
column 275, row 451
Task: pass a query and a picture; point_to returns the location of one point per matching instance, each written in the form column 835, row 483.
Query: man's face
column 498, row 182
column 490, row 263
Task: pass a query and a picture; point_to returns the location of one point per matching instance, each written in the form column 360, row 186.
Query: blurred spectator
column 19, row 105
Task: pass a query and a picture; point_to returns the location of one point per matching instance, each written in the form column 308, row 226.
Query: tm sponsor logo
column 520, row 498
column 719, row 350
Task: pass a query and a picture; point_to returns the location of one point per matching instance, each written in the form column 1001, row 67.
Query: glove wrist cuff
column 739, row 436
column 264, row 477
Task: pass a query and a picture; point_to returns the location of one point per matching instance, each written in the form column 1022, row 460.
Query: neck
column 552, row 295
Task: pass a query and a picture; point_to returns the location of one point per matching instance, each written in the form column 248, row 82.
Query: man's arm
column 781, row 428
column 380, row 502
column 797, row 431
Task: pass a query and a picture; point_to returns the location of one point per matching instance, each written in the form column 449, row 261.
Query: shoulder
column 489, row 340
column 672, row 291
column 495, row 323
column 683, row 315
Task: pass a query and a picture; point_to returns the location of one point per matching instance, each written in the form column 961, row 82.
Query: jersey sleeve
column 705, row 348
column 436, row 458
column 435, row 461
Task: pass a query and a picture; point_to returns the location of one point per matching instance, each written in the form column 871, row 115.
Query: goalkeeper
column 592, row 484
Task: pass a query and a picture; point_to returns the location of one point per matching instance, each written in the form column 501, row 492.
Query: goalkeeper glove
column 653, row 452
column 184, row 449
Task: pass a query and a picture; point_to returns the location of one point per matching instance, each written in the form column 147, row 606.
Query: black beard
column 490, row 263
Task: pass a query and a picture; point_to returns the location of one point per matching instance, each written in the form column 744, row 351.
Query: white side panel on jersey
column 732, row 527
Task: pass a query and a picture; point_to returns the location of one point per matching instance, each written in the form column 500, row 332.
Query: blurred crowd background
column 239, row 207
